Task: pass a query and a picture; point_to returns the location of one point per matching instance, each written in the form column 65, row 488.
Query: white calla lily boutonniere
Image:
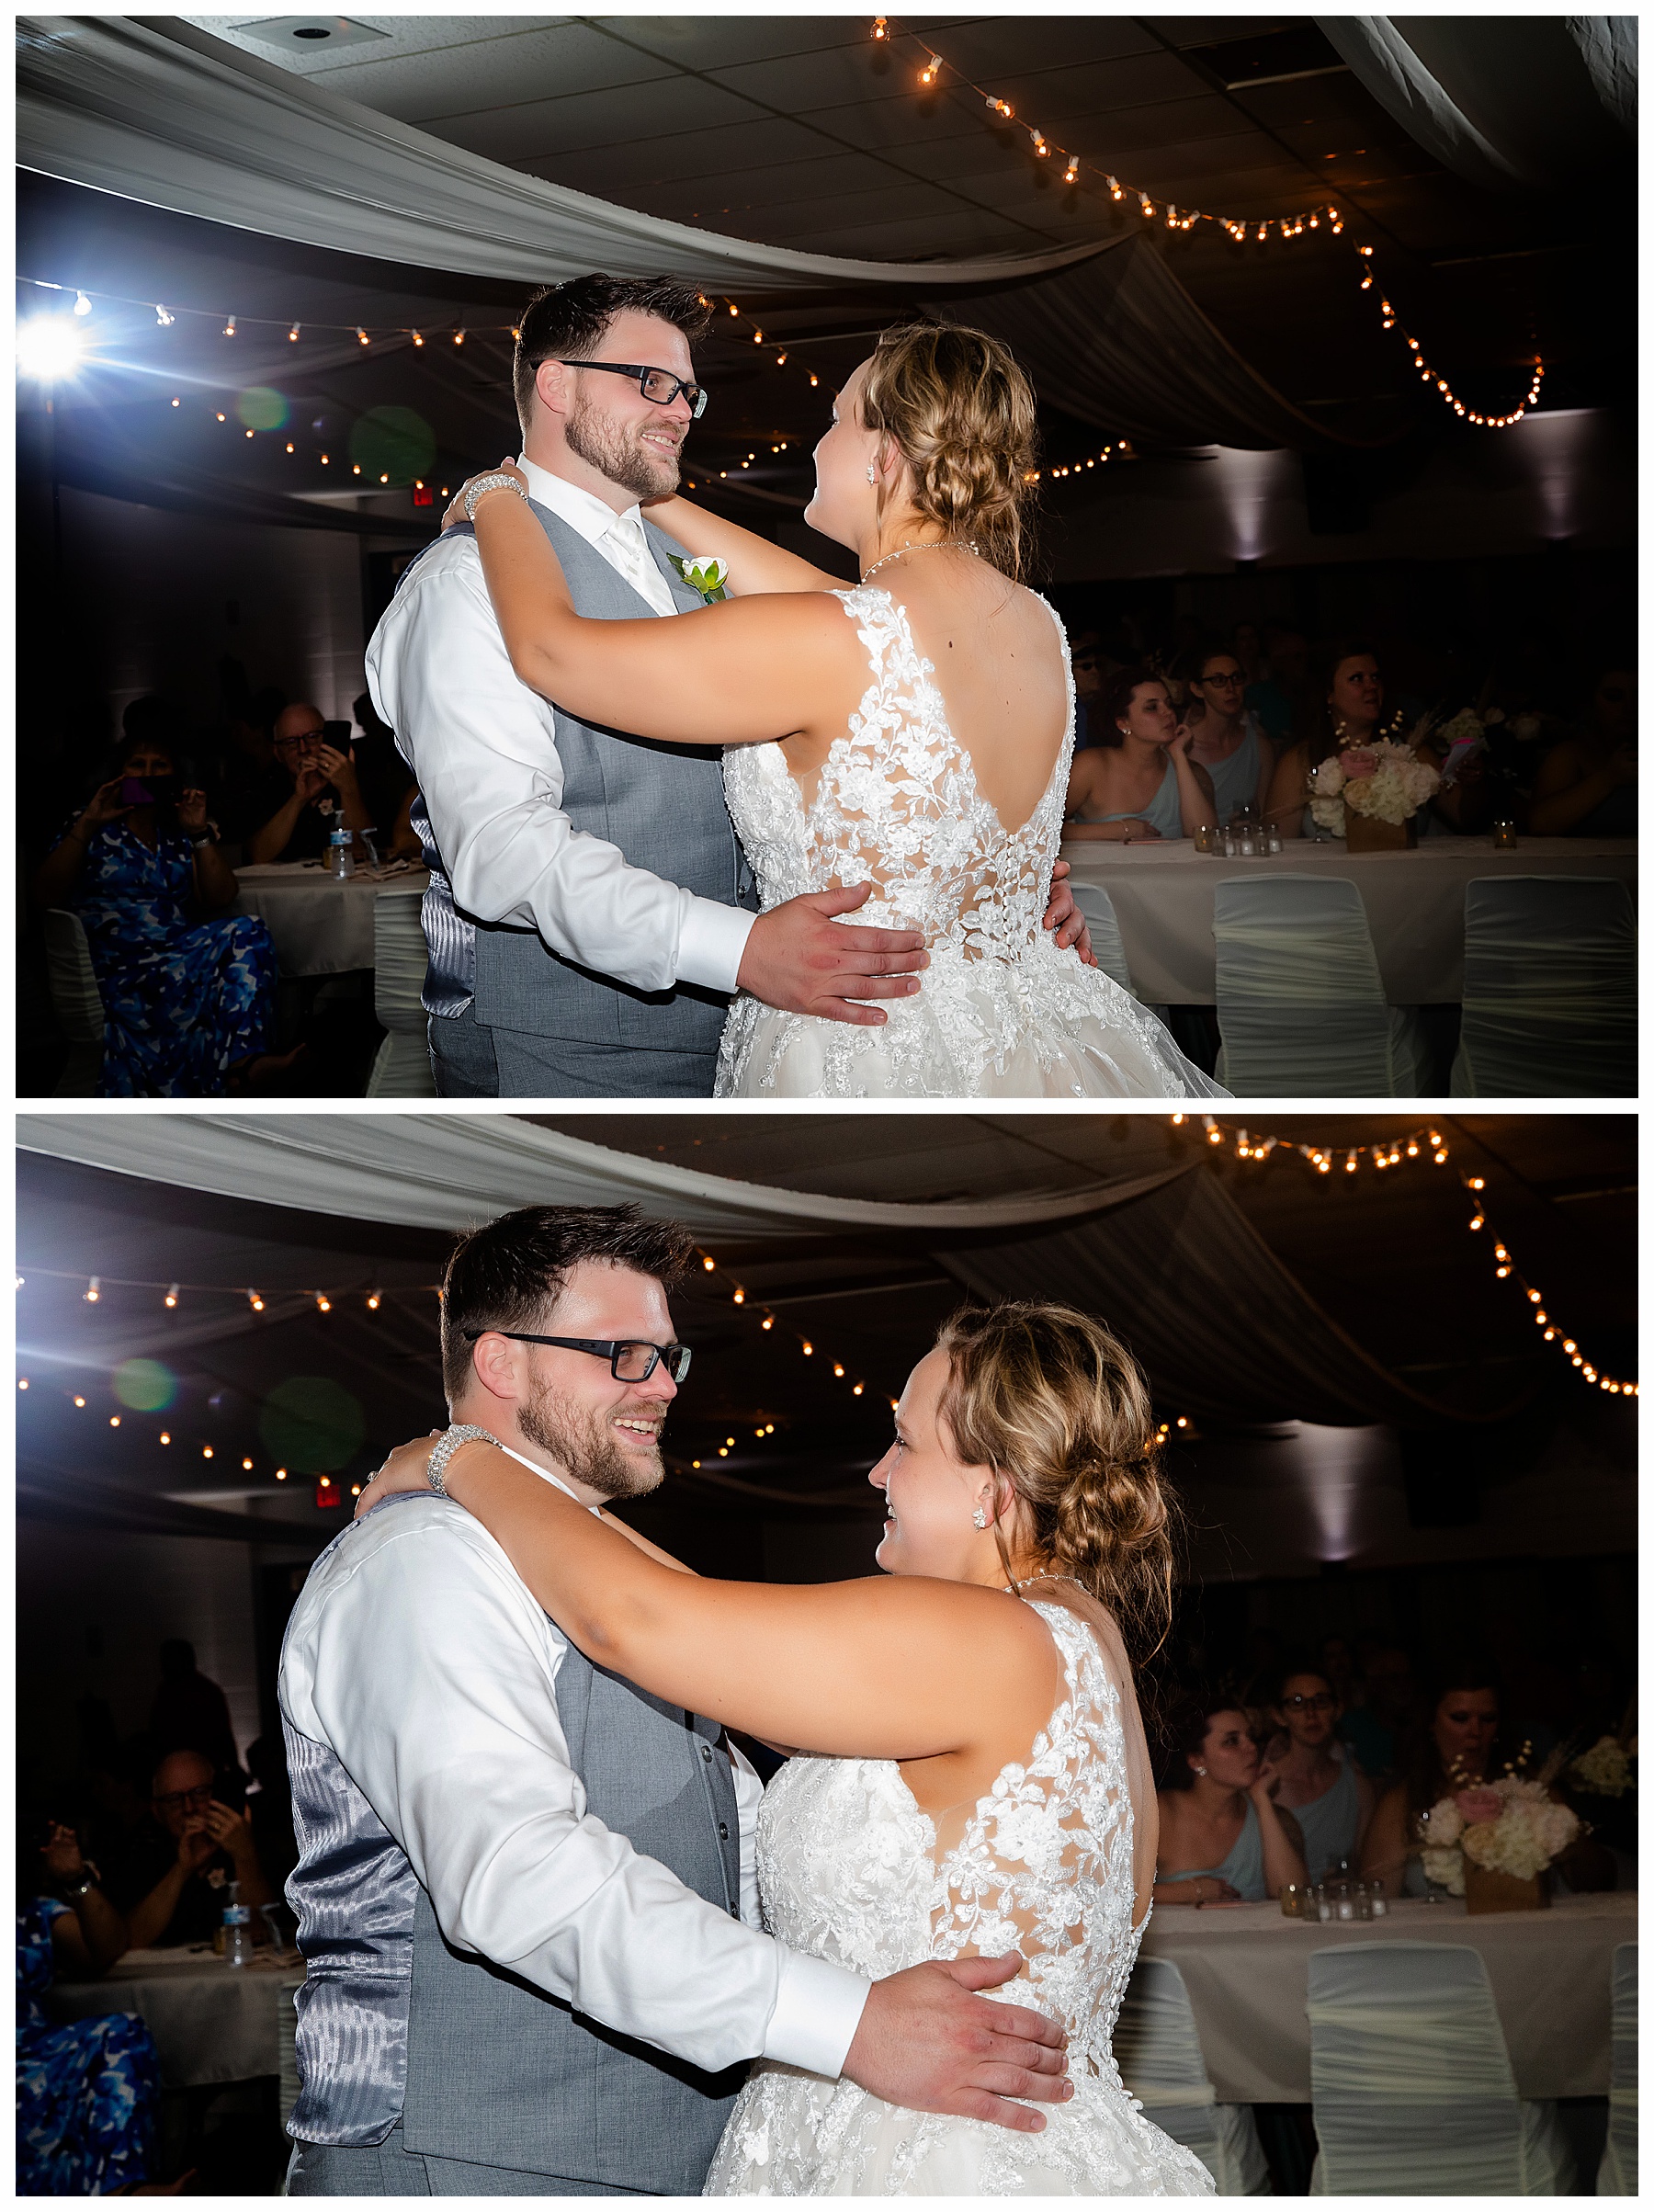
column 704, row 576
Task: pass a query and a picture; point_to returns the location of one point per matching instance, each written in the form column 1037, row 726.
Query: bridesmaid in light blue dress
column 1223, row 1837
column 1228, row 743
column 1138, row 781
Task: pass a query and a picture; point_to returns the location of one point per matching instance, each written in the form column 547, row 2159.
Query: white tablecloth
column 1415, row 903
column 1248, row 1975
column 321, row 925
column 210, row 2022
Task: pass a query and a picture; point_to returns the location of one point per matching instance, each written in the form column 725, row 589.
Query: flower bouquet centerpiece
column 1493, row 1844
column 1369, row 794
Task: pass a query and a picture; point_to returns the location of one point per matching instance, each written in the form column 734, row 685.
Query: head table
column 210, row 2022
column 1162, row 895
column 1247, row 1970
column 321, row 925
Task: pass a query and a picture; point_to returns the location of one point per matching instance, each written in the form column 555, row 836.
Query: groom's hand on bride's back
column 927, row 2041
column 801, row 959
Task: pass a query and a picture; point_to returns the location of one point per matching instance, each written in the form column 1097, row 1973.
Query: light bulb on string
column 172, row 1297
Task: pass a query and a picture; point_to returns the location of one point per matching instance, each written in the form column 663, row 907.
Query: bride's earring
column 979, row 1519
column 872, row 473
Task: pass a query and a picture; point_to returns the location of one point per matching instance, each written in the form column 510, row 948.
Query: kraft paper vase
column 1488, row 1893
column 1366, row 834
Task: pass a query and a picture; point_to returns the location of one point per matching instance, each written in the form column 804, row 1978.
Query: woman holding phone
column 187, row 1000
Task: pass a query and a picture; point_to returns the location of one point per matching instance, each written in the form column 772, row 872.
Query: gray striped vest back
column 477, row 2064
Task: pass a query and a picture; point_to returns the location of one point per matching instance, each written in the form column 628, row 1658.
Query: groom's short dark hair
column 509, row 1276
column 567, row 320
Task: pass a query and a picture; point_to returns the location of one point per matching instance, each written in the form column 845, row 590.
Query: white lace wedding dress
column 848, row 1870
column 1002, row 1012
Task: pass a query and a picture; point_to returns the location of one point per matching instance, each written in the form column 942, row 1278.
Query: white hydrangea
column 1446, row 1870
column 1532, row 1830
column 1604, row 1769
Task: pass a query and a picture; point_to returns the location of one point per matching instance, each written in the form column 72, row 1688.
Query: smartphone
column 337, row 735
column 150, row 790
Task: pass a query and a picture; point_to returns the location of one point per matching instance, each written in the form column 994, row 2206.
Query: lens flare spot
column 145, row 1385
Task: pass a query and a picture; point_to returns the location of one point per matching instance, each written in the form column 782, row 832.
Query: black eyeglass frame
column 694, row 393
column 1323, row 1701
column 676, row 1357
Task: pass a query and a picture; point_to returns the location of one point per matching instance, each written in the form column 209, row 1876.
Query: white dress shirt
column 483, row 747
column 418, row 1654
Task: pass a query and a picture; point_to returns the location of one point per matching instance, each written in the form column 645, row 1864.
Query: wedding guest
column 1459, row 1748
column 1138, row 780
column 1331, row 1800
column 173, row 1884
column 312, row 783
column 1282, row 696
column 1348, row 713
column 1228, row 740
column 189, row 1711
column 1380, row 1728
column 1087, row 661
column 1586, row 785
column 388, row 789
column 88, row 2091
column 188, row 1002
column 1223, row 1837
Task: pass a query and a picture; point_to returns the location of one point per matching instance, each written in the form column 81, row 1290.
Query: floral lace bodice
column 847, row 1864
column 849, row 1870
column 896, row 804
column 1004, row 1009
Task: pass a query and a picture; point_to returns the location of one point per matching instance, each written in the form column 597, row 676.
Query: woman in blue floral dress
column 88, row 2092
column 188, row 1004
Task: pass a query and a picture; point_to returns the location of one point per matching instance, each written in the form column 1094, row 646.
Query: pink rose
column 1359, row 762
column 1477, row 1805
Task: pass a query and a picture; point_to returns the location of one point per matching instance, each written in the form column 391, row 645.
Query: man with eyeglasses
column 591, row 908
column 293, row 809
column 173, row 1882
column 526, row 1891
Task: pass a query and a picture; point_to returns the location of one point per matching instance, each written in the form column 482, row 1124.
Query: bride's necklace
column 922, row 545
column 1048, row 1574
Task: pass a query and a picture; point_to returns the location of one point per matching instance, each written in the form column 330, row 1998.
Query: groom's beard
column 582, row 1446
column 618, row 453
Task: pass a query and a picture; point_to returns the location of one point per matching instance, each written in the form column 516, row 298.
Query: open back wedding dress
column 1002, row 1012
column 849, row 1870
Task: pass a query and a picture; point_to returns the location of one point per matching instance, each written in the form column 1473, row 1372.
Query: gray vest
column 477, row 2064
column 662, row 805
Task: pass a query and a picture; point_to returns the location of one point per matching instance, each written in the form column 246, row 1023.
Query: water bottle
column 339, row 860
column 238, row 1930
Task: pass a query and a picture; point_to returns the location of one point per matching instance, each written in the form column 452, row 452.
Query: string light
column 1381, row 1153
column 1505, row 1270
column 1391, row 320
column 886, row 31
column 172, row 1297
column 94, row 1291
column 766, row 1322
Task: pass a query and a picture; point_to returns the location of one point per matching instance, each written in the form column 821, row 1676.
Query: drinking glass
column 1292, row 1901
column 1206, row 839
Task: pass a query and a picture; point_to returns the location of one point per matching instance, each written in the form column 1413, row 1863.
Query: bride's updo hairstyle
column 1061, row 1412
column 960, row 412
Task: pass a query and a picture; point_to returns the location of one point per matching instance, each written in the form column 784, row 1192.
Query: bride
column 914, row 732
column 970, row 1773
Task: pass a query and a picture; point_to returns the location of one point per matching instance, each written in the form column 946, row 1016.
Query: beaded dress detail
column 848, row 1869
column 1001, row 1012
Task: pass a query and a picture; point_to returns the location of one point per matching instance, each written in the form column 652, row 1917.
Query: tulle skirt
column 1041, row 1026
column 796, row 2134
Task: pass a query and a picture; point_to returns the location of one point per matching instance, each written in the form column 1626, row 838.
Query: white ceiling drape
column 1508, row 102
column 453, row 1170
column 155, row 110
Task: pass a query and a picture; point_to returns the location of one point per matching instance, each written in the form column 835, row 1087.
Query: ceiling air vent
column 309, row 34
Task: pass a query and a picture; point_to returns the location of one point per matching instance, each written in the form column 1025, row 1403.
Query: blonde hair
column 961, row 414
column 1061, row 1412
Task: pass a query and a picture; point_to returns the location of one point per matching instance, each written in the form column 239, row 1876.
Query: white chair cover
column 76, row 1001
column 1551, row 989
column 1616, row 2176
column 401, row 1068
column 1411, row 2084
column 1300, row 1003
column 1097, row 907
column 1156, row 2046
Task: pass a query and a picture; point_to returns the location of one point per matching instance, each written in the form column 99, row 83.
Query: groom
column 526, row 1890
column 591, row 908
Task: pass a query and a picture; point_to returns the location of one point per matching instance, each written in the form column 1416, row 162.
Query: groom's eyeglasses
column 657, row 384
column 627, row 1362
